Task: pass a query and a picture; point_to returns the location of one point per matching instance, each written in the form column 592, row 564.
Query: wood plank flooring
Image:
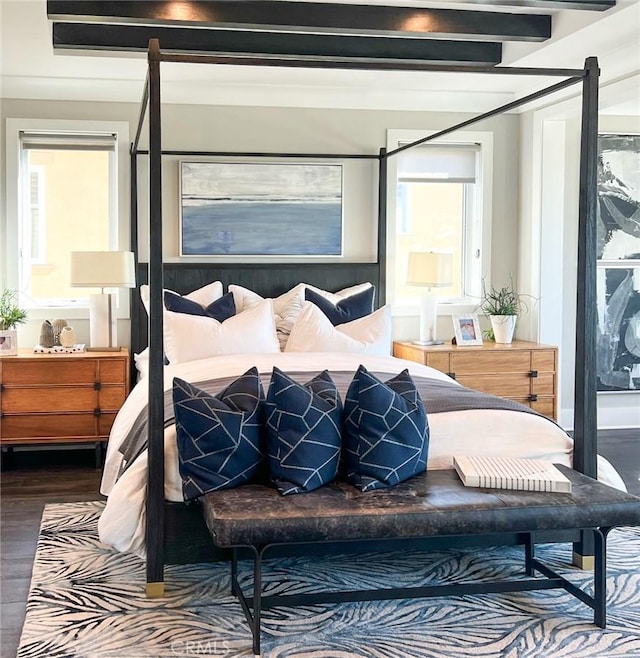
column 37, row 478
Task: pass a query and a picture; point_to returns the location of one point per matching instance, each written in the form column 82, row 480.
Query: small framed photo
column 8, row 343
column 467, row 330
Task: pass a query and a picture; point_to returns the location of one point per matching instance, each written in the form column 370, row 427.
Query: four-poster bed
column 272, row 279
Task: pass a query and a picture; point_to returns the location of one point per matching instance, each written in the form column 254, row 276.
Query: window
column 62, row 192
column 440, row 205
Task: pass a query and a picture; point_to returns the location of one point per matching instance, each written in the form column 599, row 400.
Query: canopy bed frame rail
column 585, row 380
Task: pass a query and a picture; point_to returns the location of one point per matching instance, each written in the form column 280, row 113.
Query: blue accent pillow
column 303, row 425
column 221, row 309
column 347, row 309
column 386, row 432
column 219, row 436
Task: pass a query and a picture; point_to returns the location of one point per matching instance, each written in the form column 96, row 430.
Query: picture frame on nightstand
column 467, row 330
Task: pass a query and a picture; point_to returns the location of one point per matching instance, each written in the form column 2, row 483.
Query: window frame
column 119, row 199
column 478, row 238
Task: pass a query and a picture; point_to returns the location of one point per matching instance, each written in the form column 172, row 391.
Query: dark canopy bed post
column 382, row 226
column 155, row 483
column 585, row 423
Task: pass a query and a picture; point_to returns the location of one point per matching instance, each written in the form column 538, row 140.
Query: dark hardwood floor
column 40, row 477
column 29, row 481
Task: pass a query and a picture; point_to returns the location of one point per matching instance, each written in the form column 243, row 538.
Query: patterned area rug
column 87, row 601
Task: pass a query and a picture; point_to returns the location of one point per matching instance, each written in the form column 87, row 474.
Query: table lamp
column 103, row 269
column 429, row 269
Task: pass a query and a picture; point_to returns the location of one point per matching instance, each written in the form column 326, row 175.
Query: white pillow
column 287, row 307
column 313, row 332
column 192, row 337
column 203, row 296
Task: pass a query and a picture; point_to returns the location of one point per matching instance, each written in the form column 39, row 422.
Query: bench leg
column 529, row 554
column 600, row 577
column 257, row 602
column 234, row 571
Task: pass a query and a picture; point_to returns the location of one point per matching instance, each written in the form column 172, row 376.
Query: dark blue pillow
column 303, row 424
column 347, row 309
column 221, row 309
column 218, row 436
column 386, row 432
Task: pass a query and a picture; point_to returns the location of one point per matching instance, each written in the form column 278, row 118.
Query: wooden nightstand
column 522, row 371
column 61, row 398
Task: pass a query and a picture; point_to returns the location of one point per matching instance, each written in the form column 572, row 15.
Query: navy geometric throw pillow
column 303, row 425
column 219, row 436
column 386, row 432
column 347, row 309
column 221, row 309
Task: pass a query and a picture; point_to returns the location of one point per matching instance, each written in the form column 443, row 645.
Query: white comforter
column 486, row 432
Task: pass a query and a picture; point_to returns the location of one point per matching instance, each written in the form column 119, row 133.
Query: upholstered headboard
column 266, row 279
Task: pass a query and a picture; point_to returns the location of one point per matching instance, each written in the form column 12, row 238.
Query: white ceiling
column 29, row 69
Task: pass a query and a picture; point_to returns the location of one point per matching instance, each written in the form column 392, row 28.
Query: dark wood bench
column 432, row 505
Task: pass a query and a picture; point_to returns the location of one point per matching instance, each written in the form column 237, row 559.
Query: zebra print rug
column 87, row 601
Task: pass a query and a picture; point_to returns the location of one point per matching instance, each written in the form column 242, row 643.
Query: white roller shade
column 451, row 163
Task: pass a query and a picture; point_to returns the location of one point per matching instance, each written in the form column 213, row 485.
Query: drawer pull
column 97, row 411
column 533, row 398
column 452, row 375
column 533, row 373
column 97, row 386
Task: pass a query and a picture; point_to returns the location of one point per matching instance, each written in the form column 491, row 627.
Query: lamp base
column 427, row 342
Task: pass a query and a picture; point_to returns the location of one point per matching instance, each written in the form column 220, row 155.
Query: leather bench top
column 435, row 503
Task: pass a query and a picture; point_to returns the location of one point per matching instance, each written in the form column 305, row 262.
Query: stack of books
column 511, row 473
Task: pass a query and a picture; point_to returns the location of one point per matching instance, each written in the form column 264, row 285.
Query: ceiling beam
column 135, row 38
column 305, row 17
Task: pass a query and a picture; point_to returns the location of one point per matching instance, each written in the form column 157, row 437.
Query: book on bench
column 511, row 473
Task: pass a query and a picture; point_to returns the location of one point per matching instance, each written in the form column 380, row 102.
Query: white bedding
column 483, row 431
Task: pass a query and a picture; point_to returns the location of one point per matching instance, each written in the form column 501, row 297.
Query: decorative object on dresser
column 61, row 398
column 58, row 326
column 47, row 338
column 103, row 269
column 11, row 315
column 521, row 371
column 429, row 269
column 503, row 306
column 467, row 330
column 67, row 337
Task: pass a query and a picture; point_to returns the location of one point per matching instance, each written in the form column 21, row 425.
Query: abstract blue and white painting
column 255, row 209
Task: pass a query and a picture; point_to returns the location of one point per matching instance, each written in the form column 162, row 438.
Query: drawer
column 543, row 360
column 544, row 384
column 506, row 385
column 111, row 397
column 105, row 421
column 53, row 426
column 54, row 399
column 490, row 361
column 439, row 362
column 17, row 373
column 545, row 406
column 112, row 371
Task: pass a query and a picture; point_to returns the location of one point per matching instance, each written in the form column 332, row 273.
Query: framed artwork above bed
column 260, row 209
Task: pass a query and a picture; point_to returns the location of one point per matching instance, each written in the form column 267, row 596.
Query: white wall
column 187, row 127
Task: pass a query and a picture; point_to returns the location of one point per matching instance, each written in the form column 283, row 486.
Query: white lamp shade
column 103, row 269
column 430, row 269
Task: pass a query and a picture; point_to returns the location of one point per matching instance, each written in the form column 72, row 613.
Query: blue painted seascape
column 261, row 209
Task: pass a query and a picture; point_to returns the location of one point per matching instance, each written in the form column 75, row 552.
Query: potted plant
column 502, row 305
column 11, row 315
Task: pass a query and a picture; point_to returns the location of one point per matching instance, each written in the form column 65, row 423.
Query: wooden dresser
column 522, row 371
column 61, row 398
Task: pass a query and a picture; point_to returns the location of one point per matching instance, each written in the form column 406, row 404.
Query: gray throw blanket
column 438, row 396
